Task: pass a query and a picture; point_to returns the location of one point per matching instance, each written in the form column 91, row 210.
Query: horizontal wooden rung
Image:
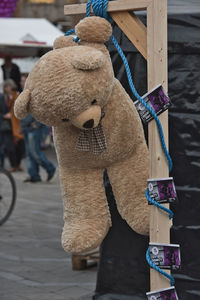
column 119, row 5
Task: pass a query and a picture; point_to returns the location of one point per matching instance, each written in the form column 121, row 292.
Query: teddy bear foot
column 84, row 236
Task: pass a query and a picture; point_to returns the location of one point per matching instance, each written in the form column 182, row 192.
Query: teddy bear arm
column 21, row 104
column 129, row 180
column 86, row 212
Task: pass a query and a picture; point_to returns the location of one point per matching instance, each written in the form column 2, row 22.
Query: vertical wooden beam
column 157, row 73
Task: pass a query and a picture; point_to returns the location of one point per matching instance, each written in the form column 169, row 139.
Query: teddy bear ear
column 21, row 104
column 64, row 41
column 93, row 29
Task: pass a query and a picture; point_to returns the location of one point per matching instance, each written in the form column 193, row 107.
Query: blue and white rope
column 71, row 31
column 156, row 268
column 99, row 8
column 151, row 111
column 165, row 209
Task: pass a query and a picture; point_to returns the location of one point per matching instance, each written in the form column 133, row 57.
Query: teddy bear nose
column 89, row 124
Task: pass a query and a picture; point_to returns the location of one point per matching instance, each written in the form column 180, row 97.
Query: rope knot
column 99, row 8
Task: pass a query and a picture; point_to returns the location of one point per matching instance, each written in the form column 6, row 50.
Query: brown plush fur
column 95, row 30
column 63, row 41
column 63, row 85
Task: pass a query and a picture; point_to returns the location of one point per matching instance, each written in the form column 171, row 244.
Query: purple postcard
column 165, row 294
column 165, row 256
column 162, row 190
column 157, row 99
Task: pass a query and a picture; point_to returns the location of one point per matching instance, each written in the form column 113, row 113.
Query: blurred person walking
column 6, row 136
column 35, row 158
column 13, row 139
column 11, row 71
column 33, row 132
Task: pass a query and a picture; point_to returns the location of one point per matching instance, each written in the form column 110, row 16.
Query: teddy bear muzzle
column 89, row 118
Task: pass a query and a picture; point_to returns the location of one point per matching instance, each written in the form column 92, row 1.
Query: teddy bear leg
column 86, row 213
column 129, row 181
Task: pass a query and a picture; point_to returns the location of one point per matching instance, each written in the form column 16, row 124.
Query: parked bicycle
column 8, row 195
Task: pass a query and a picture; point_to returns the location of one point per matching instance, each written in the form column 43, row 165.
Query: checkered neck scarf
column 97, row 137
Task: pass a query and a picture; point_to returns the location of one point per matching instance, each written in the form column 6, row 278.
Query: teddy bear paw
column 84, row 236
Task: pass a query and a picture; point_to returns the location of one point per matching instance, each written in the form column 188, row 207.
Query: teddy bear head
column 71, row 84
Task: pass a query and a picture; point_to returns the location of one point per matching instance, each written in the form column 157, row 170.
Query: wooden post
column 152, row 44
column 157, row 73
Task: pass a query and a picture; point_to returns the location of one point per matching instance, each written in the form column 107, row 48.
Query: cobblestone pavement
column 33, row 265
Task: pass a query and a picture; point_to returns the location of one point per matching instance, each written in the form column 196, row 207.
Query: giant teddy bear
column 95, row 127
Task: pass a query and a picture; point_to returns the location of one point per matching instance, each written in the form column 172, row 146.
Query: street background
column 33, row 264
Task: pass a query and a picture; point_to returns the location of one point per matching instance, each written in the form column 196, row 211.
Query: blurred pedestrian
column 6, row 137
column 11, row 71
column 11, row 94
column 35, row 158
column 45, row 130
column 33, row 134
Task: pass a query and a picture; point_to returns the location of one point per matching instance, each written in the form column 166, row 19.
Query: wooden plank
column 119, row 5
column 80, row 261
column 157, row 73
column 134, row 29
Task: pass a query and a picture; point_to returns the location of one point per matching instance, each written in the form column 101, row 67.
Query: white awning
column 25, row 36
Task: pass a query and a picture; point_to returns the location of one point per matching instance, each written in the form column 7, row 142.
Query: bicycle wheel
column 7, row 195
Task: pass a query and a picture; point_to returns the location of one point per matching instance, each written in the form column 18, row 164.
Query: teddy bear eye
column 65, row 120
column 94, row 102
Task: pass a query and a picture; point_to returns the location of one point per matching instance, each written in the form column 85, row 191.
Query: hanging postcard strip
column 157, row 99
column 165, row 294
column 165, row 256
column 162, row 190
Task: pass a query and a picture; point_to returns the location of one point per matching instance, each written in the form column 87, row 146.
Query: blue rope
column 71, row 31
column 153, row 266
column 88, row 8
column 168, row 211
column 148, row 258
column 99, row 8
column 135, row 93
